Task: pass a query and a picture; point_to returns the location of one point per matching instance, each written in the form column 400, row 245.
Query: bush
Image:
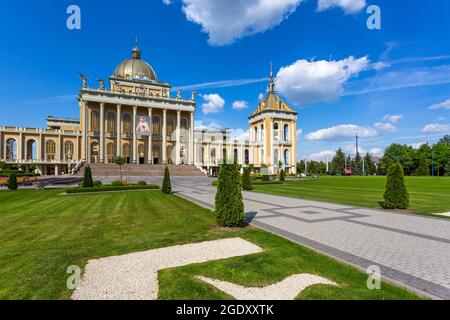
column 265, row 177
column 282, row 175
column 166, row 186
column 97, row 184
column 142, row 183
column 229, row 207
column 261, row 183
column 113, row 188
column 87, row 179
column 12, row 182
column 117, row 183
column 396, row 195
column 246, row 181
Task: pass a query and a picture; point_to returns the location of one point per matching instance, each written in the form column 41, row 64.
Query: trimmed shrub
column 282, row 175
column 142, row 183
column 229, row 207
column 113, row 188
column 87, row 179
column 166, row 186
column 246, row 181
column 265, row 177
column 97, row 183
column 12, row 182
column 117, row 183
column 396, row 195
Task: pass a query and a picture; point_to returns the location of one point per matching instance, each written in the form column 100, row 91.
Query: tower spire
column 271, row 86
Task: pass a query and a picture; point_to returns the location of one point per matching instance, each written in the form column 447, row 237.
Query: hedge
column 113, row 188
column 6, row 173
column 255, row 182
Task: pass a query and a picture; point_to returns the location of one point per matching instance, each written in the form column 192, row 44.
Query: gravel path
column 286, row 289
column 134, row 276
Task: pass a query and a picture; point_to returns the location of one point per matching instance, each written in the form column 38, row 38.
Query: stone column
column 191, row 140
column 77, row 149
column 119, row 130
column 1, row 145
column 85, row 128
column 150, row 153
column 102, row 132
column 39, row 150
column 134, row 135
column 59, row 149
column 20, row 146
column 178, row 137
column 164, row 136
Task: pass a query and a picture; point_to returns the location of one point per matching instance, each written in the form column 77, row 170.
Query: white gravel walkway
column 134, row 276
column 287, row 289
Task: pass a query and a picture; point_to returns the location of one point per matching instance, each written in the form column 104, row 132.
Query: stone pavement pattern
column 411, row 249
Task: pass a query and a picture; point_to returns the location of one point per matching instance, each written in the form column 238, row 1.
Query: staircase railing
column 199, row 167
column 77, row 168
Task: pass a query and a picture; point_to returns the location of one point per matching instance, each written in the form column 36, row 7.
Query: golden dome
column 135, row 68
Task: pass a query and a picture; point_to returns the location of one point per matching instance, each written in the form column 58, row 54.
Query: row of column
column 85, row 139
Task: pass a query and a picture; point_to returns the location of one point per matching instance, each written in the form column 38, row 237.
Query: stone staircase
column 140, row 170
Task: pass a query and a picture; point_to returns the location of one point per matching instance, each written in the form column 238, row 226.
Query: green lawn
column 42, row 233
column 427, row 195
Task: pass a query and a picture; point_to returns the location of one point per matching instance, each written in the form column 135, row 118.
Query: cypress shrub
column 246, row 181
column 87, row 179
column 229, row 207
column 166, row 186
column 396, row 195
column 282, row 175
column 12, row 182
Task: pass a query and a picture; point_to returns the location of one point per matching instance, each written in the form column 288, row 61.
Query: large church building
column 139, row 120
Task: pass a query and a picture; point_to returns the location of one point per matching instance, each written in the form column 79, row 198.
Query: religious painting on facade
column 143, row 125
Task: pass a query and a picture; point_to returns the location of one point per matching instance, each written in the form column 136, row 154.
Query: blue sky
column 388, row 85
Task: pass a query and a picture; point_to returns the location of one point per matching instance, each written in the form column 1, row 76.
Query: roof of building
column 135, row 68
column 272, row 101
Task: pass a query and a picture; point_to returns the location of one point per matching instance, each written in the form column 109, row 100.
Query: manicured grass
column 44, row 233
column 427, row 195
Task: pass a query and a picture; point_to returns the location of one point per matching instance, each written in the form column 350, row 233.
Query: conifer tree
column 166, row 186
column 229, row 207
column 87, row 179
column 12, row 181
column 396, row 195
column 246, row 181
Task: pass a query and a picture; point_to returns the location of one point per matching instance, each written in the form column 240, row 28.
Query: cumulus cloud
column 240, row 104
column 442, row 105
column 349, row 6
column 239, row 134
column 341, row 132
column 393, row 118
column 227, row 21
column 198, row 124
column 322, row 155
column 315, row 81
column 212, row 103
column 385, row 127
column 417, row 145
column 299, row 133
column 261, row 96
column 436, row 128
column 376, row 152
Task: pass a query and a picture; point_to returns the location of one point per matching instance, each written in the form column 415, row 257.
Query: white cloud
column 240, row 104
column 376, row 152
column 436, row 128
column 385, row 127
column 239, row 134
column 198, row 124
column 227, row 21
column 299, row 133
column 417, row 145
column 213, row 103
column 322, row 155
column 349, row 6
column 261, row 96
column 441, row 118
column 167, row 1
column 393, row 118
column 314, row 81
column 442, row 105
column 341, row 132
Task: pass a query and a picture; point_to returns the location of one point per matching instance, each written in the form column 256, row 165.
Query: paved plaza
column 411, row 249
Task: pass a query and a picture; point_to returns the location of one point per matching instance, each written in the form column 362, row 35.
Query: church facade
column 139, row 120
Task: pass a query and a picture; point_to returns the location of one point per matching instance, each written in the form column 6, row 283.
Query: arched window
column 261, row 133
column 255, row 138
column 156, row 151
column 235, row 158
column 110, row 152
column 31, row 152
column 127, row 124
column 126, row 151
column 110, row 122
column 95, row 152
column 95, row 121
column 184, row 123
column 170, row 126
column 156, row 125
column 50, row 150
column 261, row 161
column 141, row 150
column 275, row 157
column 286, row 157
column 68, row 150
column 286, row 132
column 11, row 150
column 213, row 155
column 276, row 133
column 247, row 156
